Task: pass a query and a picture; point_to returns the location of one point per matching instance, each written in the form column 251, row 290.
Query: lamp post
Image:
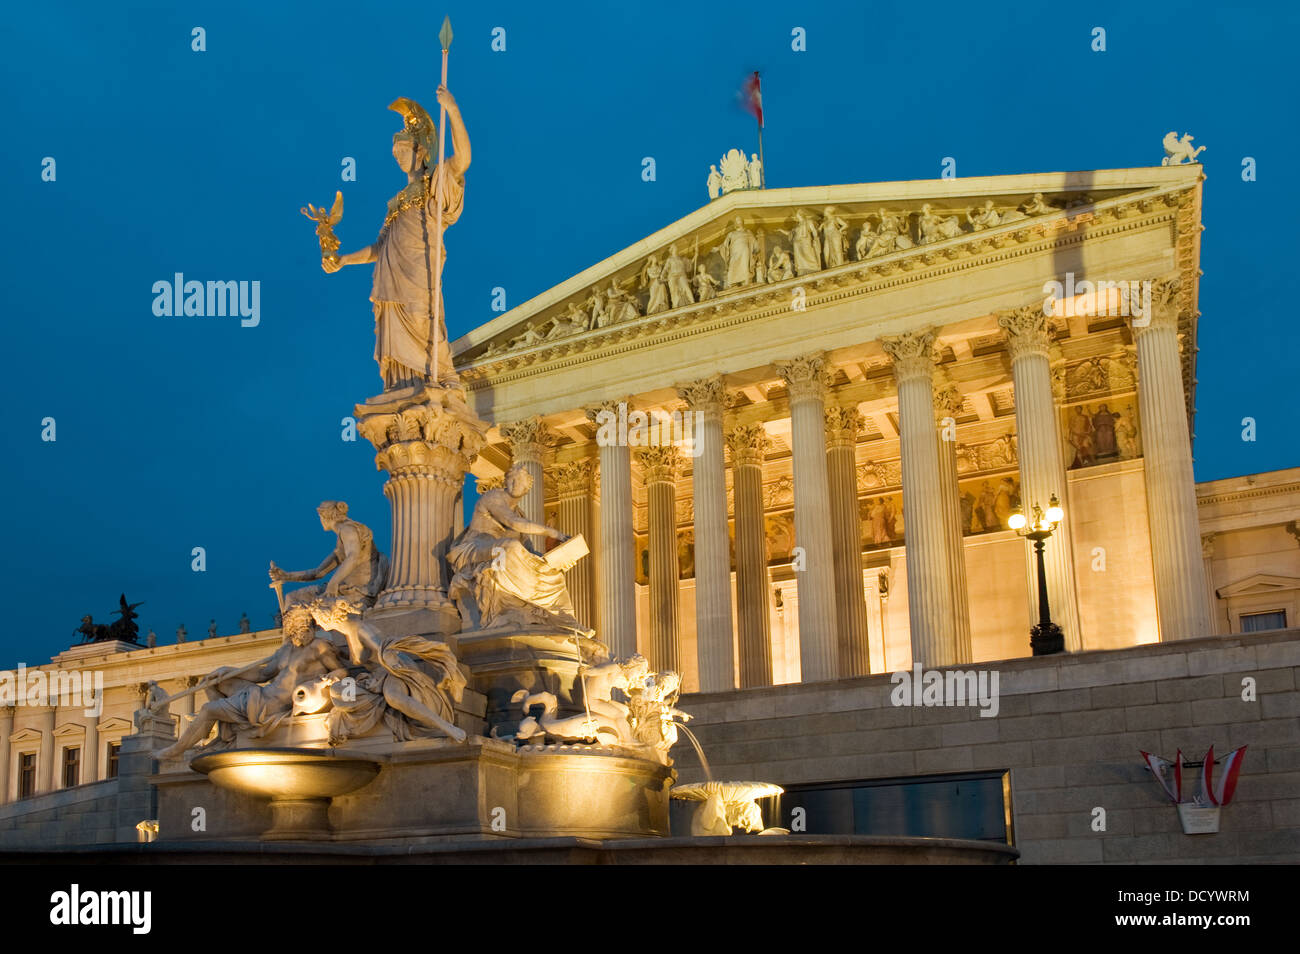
column 1045, row 637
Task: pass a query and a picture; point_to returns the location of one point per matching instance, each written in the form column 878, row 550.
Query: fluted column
column 660, row 467
column 1211, row 596
column 1042, row 468
column 706, row 399
column 929, row 585
column 806, row 381
column 46, row 759
column 948, row 403
column 749, row 444
column 573, row 482
column 1171, row 489
column 617, row 611
column 90, row 752
column 426, row 441
column 529, row 442
column 6, row 730
column 843, row 426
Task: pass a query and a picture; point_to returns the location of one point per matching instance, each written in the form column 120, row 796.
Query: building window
column 969, row 805
column 110, row 765
column 1258, row 622
column 71, row 767
column 27, row 775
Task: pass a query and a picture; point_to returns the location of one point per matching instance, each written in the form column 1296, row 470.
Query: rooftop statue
column 123, row 628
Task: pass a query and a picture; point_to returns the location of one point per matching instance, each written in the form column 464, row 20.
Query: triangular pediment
column 887, row 228
column 1259, row 585
column 26, row 735
column 115, row 724
column 69, row 728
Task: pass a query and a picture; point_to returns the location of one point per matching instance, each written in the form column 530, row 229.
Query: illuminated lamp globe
column 1016, row 521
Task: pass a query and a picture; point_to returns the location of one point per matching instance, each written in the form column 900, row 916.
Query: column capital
column 707, row 395
column 610, row 406
column 1165, row 307
column 912, row 354
column 529, row 439
column 660, row 465
column 843, row 426
column 1028, row 331
column 574, row 478
column 805, row 377
column 1207, row 545
column 749, row 444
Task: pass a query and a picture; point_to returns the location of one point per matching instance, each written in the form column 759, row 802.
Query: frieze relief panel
column 1100, row 432
column 745, row 257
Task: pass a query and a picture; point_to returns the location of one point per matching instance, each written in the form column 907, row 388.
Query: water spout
column 708, row 773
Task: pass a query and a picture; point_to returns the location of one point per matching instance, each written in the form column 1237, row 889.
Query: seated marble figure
column 498, row 581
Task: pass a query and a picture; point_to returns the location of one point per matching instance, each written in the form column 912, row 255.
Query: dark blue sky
column 176, row 433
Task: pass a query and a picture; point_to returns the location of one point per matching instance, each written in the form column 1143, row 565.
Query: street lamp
column 1046, row 637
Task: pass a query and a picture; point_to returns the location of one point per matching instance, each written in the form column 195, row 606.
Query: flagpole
column 444, row 35
column 762, row 163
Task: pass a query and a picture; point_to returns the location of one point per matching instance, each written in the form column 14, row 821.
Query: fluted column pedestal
column 749, row 444
column 617, row 589
column 529, row 442
column 929, row 584
column 806, row 381
column 947, row 406
column 1042, row 468
column 707, row 399
column 843, row 426
column 426, row 439
column 573, row 482
column 1171, row 488
column 660, row 467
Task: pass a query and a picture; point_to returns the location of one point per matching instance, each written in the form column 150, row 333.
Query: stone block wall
column 1069, row 730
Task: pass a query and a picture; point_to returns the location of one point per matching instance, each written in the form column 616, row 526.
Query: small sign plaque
column 1198, row 819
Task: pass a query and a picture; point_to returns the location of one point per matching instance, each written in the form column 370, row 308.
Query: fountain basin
column 300, row 784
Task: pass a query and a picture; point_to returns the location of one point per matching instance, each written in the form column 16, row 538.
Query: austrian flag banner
column 752, row 96
column 1168, row 774
column 1220, row 791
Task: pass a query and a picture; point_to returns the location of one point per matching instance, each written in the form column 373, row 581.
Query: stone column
column 1042, row 469
column 749, row 444
column 1171, row 487
column 529, row 442
column 90, row 752
column 1211, row 597
column 426, row 441
column 46, row 767
column 843, row 426
column 929, row 585
column 707, row 398
column 948, row 403
column 6, row 730
column 617, row 612
column 806, row 381
column 660, row 467
column 573, row 483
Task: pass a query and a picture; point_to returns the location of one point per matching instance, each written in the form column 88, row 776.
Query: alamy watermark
column 59, row 687
column 951, row 687
column 1069, row 299
column 193, row 299
column 624, row 428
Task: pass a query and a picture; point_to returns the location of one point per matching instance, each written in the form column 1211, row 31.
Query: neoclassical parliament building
column 793, row 427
